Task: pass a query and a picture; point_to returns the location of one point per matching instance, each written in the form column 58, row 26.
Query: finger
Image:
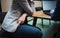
column 18, row 21
column 22, row 22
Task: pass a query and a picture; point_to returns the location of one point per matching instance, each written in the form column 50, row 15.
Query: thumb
column 18, row 21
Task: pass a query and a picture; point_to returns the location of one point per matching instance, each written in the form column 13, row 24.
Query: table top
column 40, row 14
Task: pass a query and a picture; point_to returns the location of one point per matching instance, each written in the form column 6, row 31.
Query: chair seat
column 3, row 35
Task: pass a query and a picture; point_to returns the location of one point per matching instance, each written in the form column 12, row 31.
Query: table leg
column 42, row 22
column 34, row 21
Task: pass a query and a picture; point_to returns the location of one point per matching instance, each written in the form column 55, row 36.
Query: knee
column 39, row 33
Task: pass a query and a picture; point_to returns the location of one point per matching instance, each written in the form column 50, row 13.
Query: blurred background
column 46, row 6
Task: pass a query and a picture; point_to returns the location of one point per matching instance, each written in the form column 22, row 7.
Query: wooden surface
column 40, row 14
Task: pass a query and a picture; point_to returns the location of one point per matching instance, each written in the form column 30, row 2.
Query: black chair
column 2, row 15
column 2, row 34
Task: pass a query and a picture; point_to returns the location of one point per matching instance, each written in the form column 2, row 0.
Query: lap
column 30, row 27
column 28, row 30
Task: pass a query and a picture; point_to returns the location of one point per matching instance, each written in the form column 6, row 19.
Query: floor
column 49, row 29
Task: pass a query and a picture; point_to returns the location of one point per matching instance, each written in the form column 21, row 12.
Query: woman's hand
column 22, row 18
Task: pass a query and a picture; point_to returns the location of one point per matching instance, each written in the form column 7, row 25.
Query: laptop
column 48, row 5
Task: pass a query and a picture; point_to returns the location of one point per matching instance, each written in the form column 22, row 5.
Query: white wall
column 5, row 5
column 38, row 3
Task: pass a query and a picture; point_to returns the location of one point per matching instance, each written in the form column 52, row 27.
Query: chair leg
column 42, row 22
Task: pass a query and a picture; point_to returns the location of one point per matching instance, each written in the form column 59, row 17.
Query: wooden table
column 40, row 14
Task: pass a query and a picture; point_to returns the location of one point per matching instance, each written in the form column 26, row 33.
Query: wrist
column 25, row 14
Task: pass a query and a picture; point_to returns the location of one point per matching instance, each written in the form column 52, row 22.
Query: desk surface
column 40, row 14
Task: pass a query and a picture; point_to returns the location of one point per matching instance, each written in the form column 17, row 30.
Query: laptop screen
column 48, row 5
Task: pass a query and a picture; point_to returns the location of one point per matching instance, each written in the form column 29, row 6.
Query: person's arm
column 22, row 18
column 25, row 5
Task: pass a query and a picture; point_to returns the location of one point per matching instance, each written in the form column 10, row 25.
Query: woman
column 14, row 25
